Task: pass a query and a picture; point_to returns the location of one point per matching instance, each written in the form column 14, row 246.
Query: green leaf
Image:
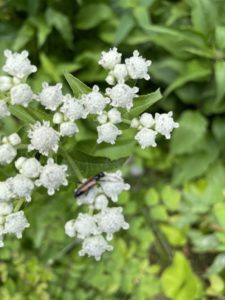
column 220, row 79
column 194, row 71
column 216, row 285
column 24, row 35
column 61, row 23
column 77, row 86
column 159, row 213
column 21, row 113
column 43, row 28
column 125, row 26
column 141, row 14
column 218, row 264
column 174, row 235
column 171, row 197
column 192, row 129
column 91, row 165
column 49, row 67
column 220, row 37
column 204, row 15
column 142, row 103
column 151, row 197
column 99, row 12
column 179, row 282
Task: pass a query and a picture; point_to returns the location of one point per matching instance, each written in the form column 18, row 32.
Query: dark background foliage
column 176, row 210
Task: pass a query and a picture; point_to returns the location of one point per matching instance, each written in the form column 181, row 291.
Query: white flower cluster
column 47, row 134
column 91, row 228
column 148, row 128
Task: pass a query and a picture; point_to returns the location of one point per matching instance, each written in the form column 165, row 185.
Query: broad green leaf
column 49, row 67
column 194, row 71
column 142, row 103
column 78, row 87
column 151, row 197
column 61, row 22
column 21, row 114
column 216, row 285
column 219, row 213
column 122, row 148
column 91, row 165
column 179, row 281
column 91, row 15
column 141, row 14
column 24, row 35
column 125, row 26
column 158, row 213
column 192, row 129
column 220, row 79
column 43, row 28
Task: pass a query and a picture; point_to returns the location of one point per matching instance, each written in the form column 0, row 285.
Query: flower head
column 109, row 59
column 108, row 133
column 72, row 108
column 164, row 124
column 15, row 223
column 21, row 187
column 52, row 176
column 6, row 208
column 21, row 94
column 18, row 64
column 111, row 220
column 4, row 112
column 51, row 96
column 7, row 154
column 5, row 191
column 68, row 129
column 122, row 95
column 94, row 102
column 137, row 66
column 5, row 83
column 43, row 138
column 146, row 138
column 95, row 246
column 29, row 167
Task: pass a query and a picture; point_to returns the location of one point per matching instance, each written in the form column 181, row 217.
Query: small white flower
column 52, row 176
column 111, row 220
column 15, row 223
column 110, row 79
column 7, row 154
column 113, row 184
column 29, row 167
column 120, row 72
column 3, row 109
column 85, row 225
column 14, row 139
column 122, row 95
column 109, row 59
column 5, row 208
column 164, row 124
column 87, row 198
column 72, row 108
column 21, row 94
column 21, row 187
column 101, row 202
column 137, row 66
column 146, row 138
column 43, row 138
column 147, row 120
column 68, row 129
column 114, row 116
column 18, row 64
column 58, row 118
column 95, row 246
column 94, row 102
column 1, row 236
column 51, row 96
column 134, row 123
column 5, row 83
column 5, row 191
column 108, row 133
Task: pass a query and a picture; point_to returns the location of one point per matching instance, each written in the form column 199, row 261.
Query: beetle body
column 88, row 184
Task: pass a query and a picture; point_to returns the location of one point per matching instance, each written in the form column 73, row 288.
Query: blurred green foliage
column 175, row 248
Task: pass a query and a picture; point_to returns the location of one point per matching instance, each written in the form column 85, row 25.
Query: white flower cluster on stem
column 96, row 229
column 46, row 135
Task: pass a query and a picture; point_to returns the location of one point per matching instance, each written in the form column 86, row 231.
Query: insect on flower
column 88, row 184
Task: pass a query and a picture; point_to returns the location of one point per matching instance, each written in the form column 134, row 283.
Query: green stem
column 73, row 165
column 19, row 205
column 128, row 122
